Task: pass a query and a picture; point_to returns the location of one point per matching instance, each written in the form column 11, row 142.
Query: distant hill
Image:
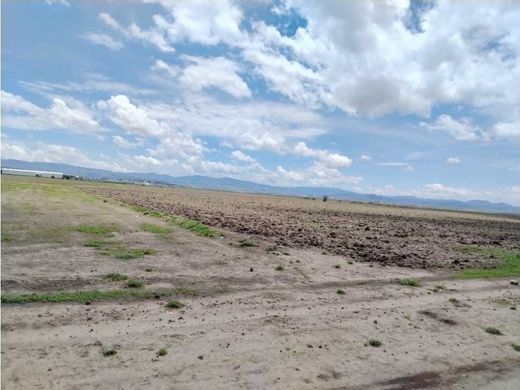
column 229, row 184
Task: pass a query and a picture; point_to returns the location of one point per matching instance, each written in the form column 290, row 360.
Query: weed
column 174, row 305
column 134, row 283
column 409, row 282
column 116, row 277
column 340, row 291
column 95, row 295
column 455, row 301
column 246, row 243
column 273, row 248
column 516, row 347
column 194, row 226
column 374, row 343
column 148, row 270
column 439, row 287
column 162, row 352
column 279, row 268
column 96, row 244
column 129, row 254
column 494, row 331
column 337, row 266
column 508, row 263
column 91, row 229
column 109, row 351
column 6, row 237
column 156, row 229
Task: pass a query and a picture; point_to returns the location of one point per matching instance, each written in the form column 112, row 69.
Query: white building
column 26, row 172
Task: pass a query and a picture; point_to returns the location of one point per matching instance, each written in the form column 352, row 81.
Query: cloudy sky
column 393, row 97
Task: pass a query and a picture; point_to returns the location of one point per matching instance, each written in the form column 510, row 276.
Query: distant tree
column 325, row 198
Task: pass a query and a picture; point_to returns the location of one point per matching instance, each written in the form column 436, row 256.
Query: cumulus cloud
column 123, row 142
column 241, row 156
column 216, row 72
column 104, row 40
column 452, row 161
column 46, row 152
column 459, row 129
column 331, row 160
column 19, row 113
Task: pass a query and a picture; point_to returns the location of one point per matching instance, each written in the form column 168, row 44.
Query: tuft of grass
column 270, row 249
column 96, row 244
column 116, row 277
column 516, row 347
column 174, row 305
column 374, row 343
column 409, row 282
column 146, row 211
column 96, row 229
column 439, row 287
column 162, row 352
column 492, row 330
column 340, row 291
column 337, row 266
column 129, row 254
column 156, row 229
column 246, row 243
column 508, row 264
column 134, row 283
column 6, row 237
column 279, row 268
column 95, row 295
column 194, row 226
column 109, row 351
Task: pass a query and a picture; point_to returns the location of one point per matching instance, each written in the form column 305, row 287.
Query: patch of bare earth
column 250, row 324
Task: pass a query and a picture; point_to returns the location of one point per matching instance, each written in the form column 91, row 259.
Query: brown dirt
column 244, row 329
column 386, row 235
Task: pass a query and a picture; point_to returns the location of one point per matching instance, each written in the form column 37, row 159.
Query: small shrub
column 109, row 351
column 279, row 268
column 134, row 283
column 340, row 291
column 325, row 198
column 246, row 243
column 162, row 352
column 492, row 330
column 174, row 305
column 409, row 282
column 116, row 277
column 374, row 343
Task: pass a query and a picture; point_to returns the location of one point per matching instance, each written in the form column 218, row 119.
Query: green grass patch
column 156, row 229
column 409, row 282
column 95, row 295
column 374, row 343
column 174, row 305
column 145, row 211
column 129, row 254
column 507, row 263
column 492, row 330
column 279, row 268
column 134, row 283
column 97, row 244
column 116, row 277
column 194, row 226
column 246, row 243
column 6, row 237
column 162, row 352
column 96, row 229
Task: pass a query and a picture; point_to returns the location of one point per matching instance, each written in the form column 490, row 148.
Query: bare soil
column 383, row 234
column 249, row 326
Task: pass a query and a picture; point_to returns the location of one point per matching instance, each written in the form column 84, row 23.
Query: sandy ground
column 248, row 326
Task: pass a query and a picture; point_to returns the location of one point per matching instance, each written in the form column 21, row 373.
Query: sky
column 387, row 97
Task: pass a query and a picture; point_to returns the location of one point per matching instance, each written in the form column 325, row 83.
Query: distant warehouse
column 26, row 172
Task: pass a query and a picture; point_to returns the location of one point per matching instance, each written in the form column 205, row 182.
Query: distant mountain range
column 229, row 184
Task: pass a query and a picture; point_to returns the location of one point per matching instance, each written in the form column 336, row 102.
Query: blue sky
column 391, row 97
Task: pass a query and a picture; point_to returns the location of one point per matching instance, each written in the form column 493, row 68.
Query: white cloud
column 506, row 130
column 365, row 157
column 130, row 117
column 160, row 65
column 461, row 130
column 331, row 160
column 45, row 152
column 62, row 2
column 452, row 161
column 72, row 116
column 406, row 166
column 123, row 142
column 317, row 174
column 217, row 72
column 103, row 40
column 241, row 156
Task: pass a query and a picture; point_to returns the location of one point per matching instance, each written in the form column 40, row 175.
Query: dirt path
column 249, row 326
